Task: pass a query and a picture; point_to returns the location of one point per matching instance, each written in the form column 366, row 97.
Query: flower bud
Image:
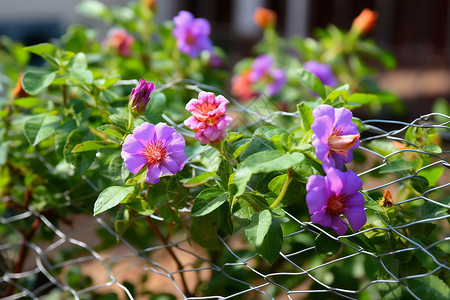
column 18, row 91
column 264, row 17
column 365, row 22
column 150, row 4
column 140, row 96
column 387, row 201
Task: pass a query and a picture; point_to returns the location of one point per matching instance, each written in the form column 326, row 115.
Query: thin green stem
column 283, row 191
column 130, row 120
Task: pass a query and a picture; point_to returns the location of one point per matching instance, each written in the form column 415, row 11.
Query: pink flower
column 119, row 40
column 334, row 195
column 335, row 136
column 159, row 148
column 208, row 119
column 140, row 96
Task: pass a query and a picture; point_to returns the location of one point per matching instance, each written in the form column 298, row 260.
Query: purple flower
column 323, row 71
column 333, row 195
column 140, row 96
column 192, row 34
column 262, row 71
column 160, row 148
column 208, row 119
column 335, row 136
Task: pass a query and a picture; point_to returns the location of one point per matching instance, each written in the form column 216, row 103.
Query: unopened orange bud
column 264, row 17
column 387, row 201
column 365, row 22
column 150, row 4
column 18, row 91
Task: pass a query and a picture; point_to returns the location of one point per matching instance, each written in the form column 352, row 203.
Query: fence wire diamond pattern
column 74, row 245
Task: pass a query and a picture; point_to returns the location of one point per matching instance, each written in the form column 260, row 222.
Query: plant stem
column 283, row 191
column 64, row 93
column 163, row 239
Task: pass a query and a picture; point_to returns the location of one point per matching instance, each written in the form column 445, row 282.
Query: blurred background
column 417, row 32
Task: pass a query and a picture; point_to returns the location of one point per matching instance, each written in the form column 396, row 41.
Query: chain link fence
column 72, row 264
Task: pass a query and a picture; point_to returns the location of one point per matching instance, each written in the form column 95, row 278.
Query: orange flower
column 18, row 91
column 365, row 22
column 241, row 86
column 264, row 17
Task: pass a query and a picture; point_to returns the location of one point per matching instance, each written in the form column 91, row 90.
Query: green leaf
column 197, row 180
column 204, row 230
column 326, row 246
column 306, row 116
column 382, row 147
column 419, row 183
column 74, row 138
column 28, row 102
column 429, row 287
column 397, row 165
column 225, row 222
column 93, row 145
column 122, row 220
column 42, row 49
column 335, row 94
column 141, row 207
column 62, row 134
column 224, row 171
column 111, row 197
column 3, row 152
column 265, row 234
column 313, row 82
column 263, row 162
column 155, row 108
column 207, row 201
column 432, row 149
column 431, row 210
column 113, row 132
column 33, row 82
column 258, row 229
column 268, row 132
column 82, row 76
column 40, row 127
column 93, row 9
column 362, row 99
column 432, row 174
column 79, row 61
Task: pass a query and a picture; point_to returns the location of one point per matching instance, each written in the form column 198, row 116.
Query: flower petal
column 317, row 194
column 131, row 145
column 133, row 163
column 153, row 174
column 177, row 144
column 339, row 225
column 335, row 181
column 343, row 117
column 180, row 158
column 144, row 133
column 171, row 165
column 323, row 128
column 356, row 217
column 352, row 184
column 322, row 218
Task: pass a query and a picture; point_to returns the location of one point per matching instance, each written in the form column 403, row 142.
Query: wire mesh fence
column 72, row 264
